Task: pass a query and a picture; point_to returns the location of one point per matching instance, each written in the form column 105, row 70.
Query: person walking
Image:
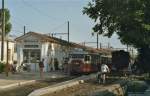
column 104, row 71
column 41, row 66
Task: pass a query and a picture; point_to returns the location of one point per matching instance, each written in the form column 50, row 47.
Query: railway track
column 26, row 89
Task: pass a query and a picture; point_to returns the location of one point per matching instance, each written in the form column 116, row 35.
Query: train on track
column 86, row 62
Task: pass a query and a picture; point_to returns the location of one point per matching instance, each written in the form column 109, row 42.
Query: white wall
column 55, row 51
column 11, row 47
column 59, row 53
column 44, row 54
column 19, row 53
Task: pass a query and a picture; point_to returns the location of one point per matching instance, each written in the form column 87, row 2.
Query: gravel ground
column 85, row 89
column 25, row 90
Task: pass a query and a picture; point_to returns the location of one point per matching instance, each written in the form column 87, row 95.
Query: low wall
column 117, row 89
column 60, row 86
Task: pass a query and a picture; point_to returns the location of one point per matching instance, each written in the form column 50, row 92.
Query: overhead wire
column 42, row 13
column 38, row 10
column 19, row 20
column 24, row 23
column 16, row 31
column 58, row 27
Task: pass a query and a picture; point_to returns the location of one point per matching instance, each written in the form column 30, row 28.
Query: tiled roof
column 64, row 42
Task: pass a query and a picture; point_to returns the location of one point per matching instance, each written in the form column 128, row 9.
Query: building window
column 31, row 46
column 31, row 55
column 30, row 41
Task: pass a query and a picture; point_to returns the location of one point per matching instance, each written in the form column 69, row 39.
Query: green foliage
column 126, row 18
column 137, row 86
column 2, row 66
column 7, row 21
column 129, row 19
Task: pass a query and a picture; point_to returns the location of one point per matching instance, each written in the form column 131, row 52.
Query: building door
column 31, row 57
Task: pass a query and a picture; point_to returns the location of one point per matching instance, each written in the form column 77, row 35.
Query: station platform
column 26, row 77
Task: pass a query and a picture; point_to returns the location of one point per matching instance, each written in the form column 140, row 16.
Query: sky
column 51, row 16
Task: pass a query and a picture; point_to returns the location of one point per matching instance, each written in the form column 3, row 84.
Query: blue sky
column 49, row 16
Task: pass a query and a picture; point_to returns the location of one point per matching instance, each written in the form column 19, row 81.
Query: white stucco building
column 33, row 47
column 11, row 45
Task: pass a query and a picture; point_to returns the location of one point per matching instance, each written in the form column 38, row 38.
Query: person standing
column 50, row 64
column 104, row 71
column 56, row 64
column 41, row 66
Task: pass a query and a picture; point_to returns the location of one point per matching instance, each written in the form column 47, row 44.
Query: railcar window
column 76, row 55
column 87, row 58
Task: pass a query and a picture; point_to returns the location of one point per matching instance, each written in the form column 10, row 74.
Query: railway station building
column 33, row 47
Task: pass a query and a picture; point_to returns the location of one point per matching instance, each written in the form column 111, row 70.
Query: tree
column 7, row 21
column 129, row 19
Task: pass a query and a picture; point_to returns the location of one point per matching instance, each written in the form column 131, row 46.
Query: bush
column 136, row 86
column 2, row 66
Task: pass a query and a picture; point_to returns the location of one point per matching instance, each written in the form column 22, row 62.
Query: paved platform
column 25, row 77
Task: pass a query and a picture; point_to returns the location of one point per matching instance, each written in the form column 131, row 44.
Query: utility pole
column 132, row 53
column 7, row 65
column 68, row 70
column 24, row 30
column 108, row 45
column 68, row 31
column 97, row 41
column 3, row 31
column 127, row 48
column 84, row 43
column 100, row 45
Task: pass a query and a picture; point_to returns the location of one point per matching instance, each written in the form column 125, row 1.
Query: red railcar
column 84, row 62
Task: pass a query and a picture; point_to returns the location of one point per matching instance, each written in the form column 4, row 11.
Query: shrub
column 2, row 66
column 136, row 86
